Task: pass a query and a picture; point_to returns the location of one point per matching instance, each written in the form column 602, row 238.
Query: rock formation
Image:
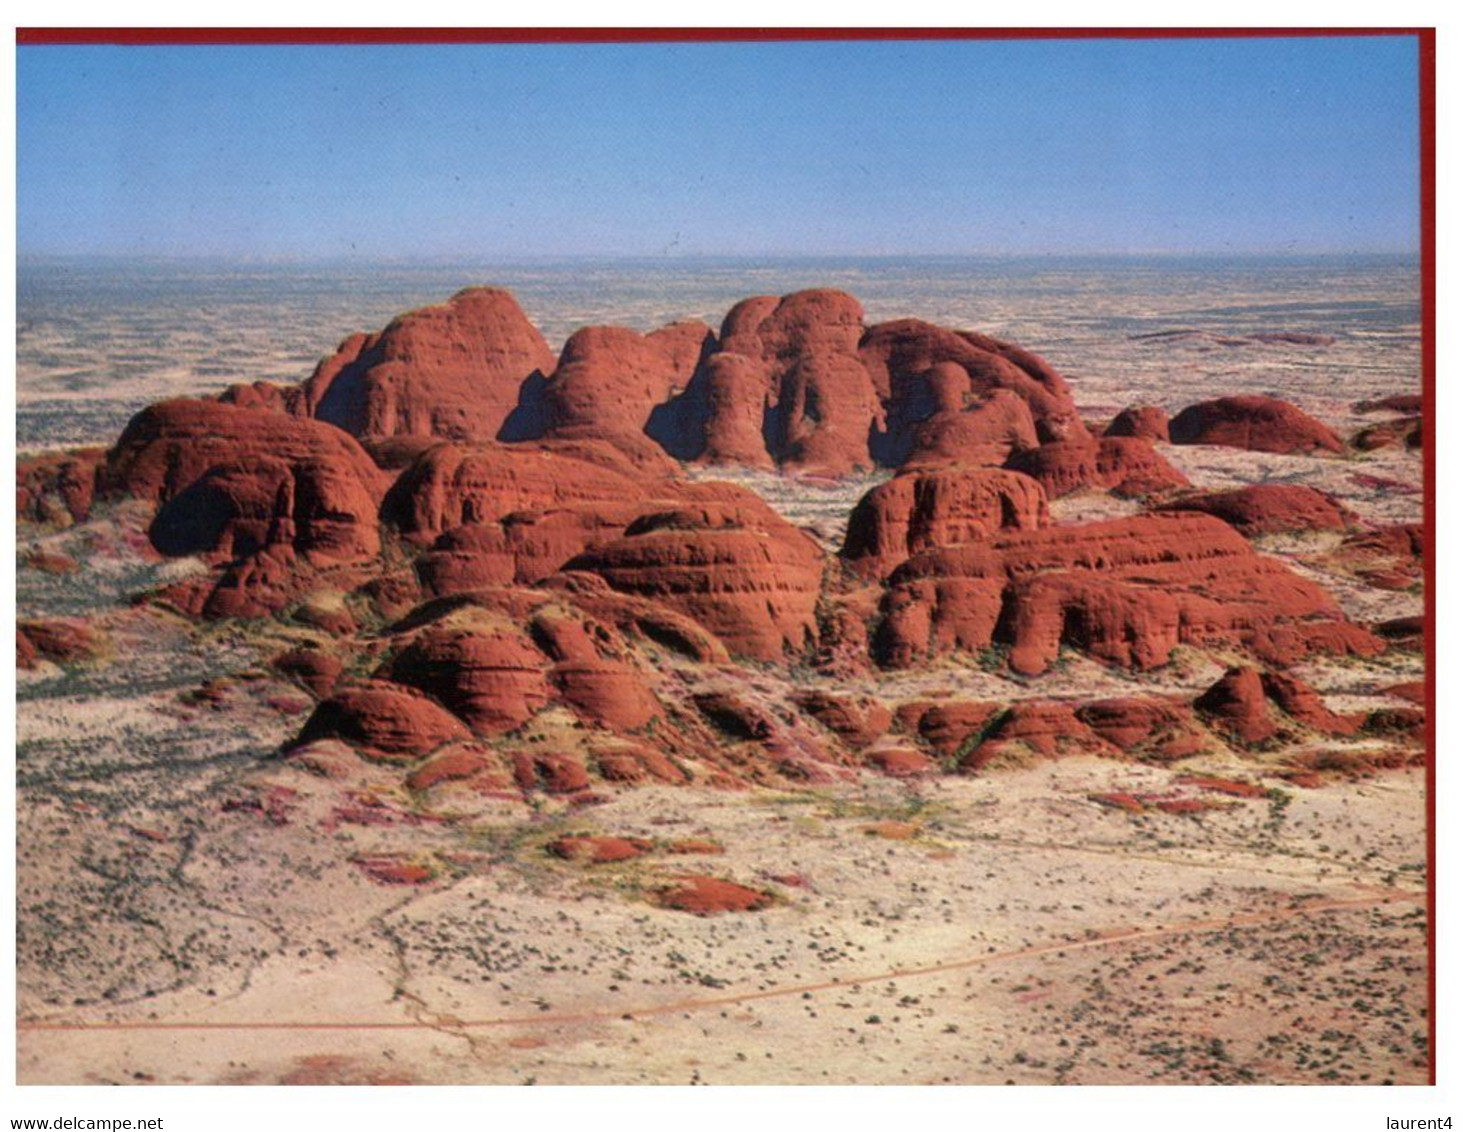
column 1125, row 591
column 453, row 371
column 924, row 509
column 1145, row 421
column 1261, row 424
column 494, row 576
column 1271, row 509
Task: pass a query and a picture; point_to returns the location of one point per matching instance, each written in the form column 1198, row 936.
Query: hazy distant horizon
column 44, row 258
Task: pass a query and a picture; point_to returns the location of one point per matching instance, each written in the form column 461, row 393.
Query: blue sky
column 1272, row 145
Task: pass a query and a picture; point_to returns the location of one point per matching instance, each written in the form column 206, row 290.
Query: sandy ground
column 1010, row 929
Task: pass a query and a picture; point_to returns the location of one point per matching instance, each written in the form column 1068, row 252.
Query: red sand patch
column 708, row 896
column 50, row 563
column 1126, row 802
column 1225, row 786
column 891, row 830
column 450, row 766
column 1416, row 691
column 586, row 850
column 1185, row 805
column 900, row 762
column 692, row 845
column 394, row 870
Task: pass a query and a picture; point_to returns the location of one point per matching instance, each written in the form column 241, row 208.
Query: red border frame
column 1427, row 147
column 1427, row 239
column 361, row 36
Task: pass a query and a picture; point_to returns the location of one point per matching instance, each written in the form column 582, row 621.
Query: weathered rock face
column 857, row 721
column 799, row 383
column 737, row 568
column 1399, row 431
column 316, row 669
column 521, row 548
column 1237, row 705
column 1124, row 591
column 57, row 487
column 325, row 510
column 489, row 676
column 454, row 485
column 276, row 498
column 452, row 371
column 63, row 640
column 948, row 726
column 819, row 402
column 169, row 446
column 1145, row 421
column 921, row 510
column 1033, row 729
column 385, row 720
column 900, row 354
column 546, row 602
column 1252, row 708
column 593, row 672
column 1261, row 424
column 1153, row 730
column 611, row 384
column 1123, row 465
column 1271, row 509
column 1390, row 558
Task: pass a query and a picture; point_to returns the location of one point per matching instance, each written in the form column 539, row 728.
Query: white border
column 610, row 1110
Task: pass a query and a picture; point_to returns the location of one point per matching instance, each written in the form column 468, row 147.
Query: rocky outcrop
column 1253, row 708
column 1399, row 432
column 488, row 675
column 168, row 447
column 1390, row 558
column 1125, row 591
column 62, row 640
column 1148, row 422
column 586, row 849
column 1255, row 422
column 383, row 720
column 902, row 358
column 452, row 371
column 737, row 568
column 1153, row 730
column 1033, row 729
column 985, row 431
column 1237, row 705
column 453, row 485
column 857, row 721
column 57, row 487
column 317, row 670
column 593, row 672
column 323, row 510
column 1121, row 465
column 1271, row 509
column 1395, row 403
column 610, row 380
column 917, row 511
column 948, row 726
